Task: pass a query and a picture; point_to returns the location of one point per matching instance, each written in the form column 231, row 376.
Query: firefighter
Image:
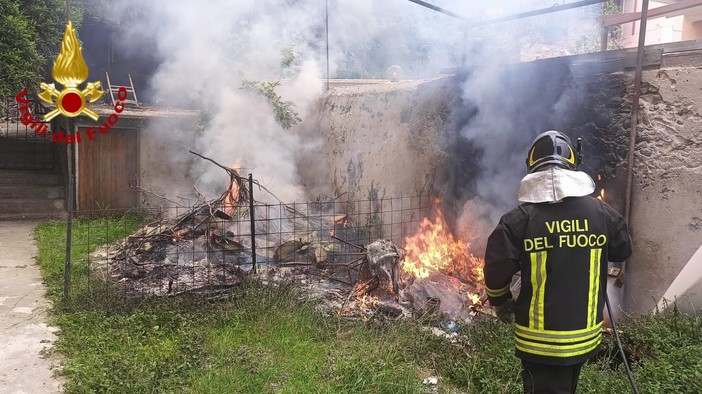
column 560, row 239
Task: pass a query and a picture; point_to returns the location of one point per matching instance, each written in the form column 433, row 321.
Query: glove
column 505, row 312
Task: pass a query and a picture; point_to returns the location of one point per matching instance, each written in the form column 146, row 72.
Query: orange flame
column 433, row 248
column 69, row 68
column 231, row 199
column 364, row 305
column 474, row 298
column 231, row 195
column 367, row 302
column 601, row 197
column 340, row 220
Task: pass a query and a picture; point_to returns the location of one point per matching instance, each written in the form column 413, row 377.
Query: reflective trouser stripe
column 538, row 287
column 594, row 292
column 497, row 292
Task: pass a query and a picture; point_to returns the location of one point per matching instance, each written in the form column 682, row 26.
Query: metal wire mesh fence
column 186, row 250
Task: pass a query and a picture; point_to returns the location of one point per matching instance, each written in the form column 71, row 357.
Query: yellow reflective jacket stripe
column 558, row 332
column 558, row 336
column 538, row 285
column 594, row 291
column 556, row 350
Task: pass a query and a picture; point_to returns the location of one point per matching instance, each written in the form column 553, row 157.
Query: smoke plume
column 506, row 104
column 207, row 49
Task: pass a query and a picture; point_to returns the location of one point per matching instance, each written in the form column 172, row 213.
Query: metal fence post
column 253, row 224
column 69, row 220
column 69, row 202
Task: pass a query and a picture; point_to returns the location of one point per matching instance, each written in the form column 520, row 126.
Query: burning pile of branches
column 189, row 252
column 211, row 246
column 435, row 255
column 434, row 274
column 217, row 243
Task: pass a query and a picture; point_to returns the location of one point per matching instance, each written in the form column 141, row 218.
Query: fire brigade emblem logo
column 70, row 71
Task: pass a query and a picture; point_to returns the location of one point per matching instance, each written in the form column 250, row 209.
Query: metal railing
column 20, row 146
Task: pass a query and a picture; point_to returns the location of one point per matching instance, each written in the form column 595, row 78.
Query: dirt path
column 23, row 314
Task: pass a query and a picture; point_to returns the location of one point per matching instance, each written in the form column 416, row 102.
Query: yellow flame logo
column 70, row 71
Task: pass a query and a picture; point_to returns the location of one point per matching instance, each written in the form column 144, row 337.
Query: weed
column 284, row 112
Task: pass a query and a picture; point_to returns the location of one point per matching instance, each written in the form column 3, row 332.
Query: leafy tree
column 592, row 43
column 20, row 61
column 48, row 20
column 30, row 39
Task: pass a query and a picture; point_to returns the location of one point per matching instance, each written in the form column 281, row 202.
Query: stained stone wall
column 387, row 140
column 667, row 198
column 378, row 140
column 666, row 215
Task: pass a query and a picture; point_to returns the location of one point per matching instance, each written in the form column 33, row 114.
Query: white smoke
column 208, row 48
column 514, row 103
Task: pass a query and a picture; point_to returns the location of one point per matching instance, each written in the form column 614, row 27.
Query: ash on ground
column 199, row 253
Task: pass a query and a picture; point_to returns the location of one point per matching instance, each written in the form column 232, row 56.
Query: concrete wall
column 378, row 140
column 667, row 205
column 380, row 152
column 390, row 140
column 692, row 29
column 658, row 30
column 679, row 26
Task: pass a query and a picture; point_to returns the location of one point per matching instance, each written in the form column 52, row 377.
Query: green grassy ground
column 263, row 339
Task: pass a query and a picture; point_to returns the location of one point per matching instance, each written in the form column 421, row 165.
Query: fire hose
column 579, row 152
column 619, row 342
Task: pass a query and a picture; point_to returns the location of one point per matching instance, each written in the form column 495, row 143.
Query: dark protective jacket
column 562, row 250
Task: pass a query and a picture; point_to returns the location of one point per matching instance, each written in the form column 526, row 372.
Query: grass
column 273, row 343
column 264, row 339
column 87, row 235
